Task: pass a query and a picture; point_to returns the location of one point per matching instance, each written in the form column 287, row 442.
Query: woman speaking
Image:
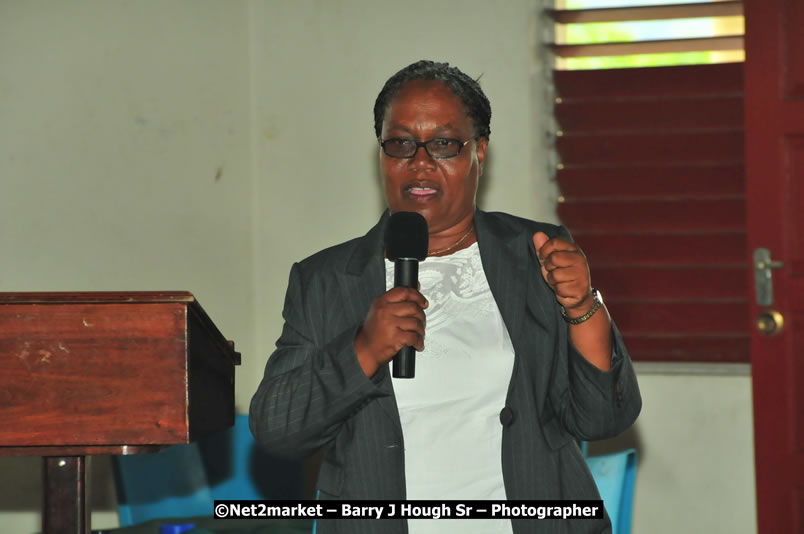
column 517, row 357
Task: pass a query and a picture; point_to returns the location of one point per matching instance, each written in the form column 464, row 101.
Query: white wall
column 694, row 440
column 116, row 117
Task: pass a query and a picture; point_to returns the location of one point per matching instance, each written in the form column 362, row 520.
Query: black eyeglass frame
column 423, row 144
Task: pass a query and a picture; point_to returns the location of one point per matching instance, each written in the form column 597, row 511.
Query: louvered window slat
column 673, row 11
column 664, row 179
column 649, row 114
column 670, row 280
column 730, row 42
column 697, row 80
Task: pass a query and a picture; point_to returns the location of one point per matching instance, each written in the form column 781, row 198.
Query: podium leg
column 64, row 508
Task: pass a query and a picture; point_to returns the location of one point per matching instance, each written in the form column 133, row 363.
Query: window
column 633, row 34
column 650, row 147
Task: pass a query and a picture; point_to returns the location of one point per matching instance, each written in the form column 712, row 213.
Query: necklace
column 458, row 242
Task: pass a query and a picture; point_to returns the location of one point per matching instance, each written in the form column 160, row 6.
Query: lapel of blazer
column 512, row 270
column 364, row 280
column 504, row 255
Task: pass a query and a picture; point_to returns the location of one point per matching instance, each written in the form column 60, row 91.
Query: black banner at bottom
column 411, row 509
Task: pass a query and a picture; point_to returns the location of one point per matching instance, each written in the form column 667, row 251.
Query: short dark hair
column 468, row 90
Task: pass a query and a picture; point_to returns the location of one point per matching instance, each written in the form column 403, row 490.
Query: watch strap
column 596, row 304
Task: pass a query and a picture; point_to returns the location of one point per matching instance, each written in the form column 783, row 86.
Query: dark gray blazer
column 314, row 392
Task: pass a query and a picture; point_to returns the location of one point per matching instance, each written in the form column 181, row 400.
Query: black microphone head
column 406, row 236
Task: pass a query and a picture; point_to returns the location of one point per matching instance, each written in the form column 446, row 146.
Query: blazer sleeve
column 593, row 404
column 310, row 387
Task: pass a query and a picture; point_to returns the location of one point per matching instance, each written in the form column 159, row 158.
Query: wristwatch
column 597, row 302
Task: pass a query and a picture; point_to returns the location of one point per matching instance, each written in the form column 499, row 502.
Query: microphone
column 406, row 242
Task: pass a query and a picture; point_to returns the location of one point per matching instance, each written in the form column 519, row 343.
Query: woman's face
column 442, row 190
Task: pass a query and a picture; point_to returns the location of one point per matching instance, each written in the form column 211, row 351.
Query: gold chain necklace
column 458, row 242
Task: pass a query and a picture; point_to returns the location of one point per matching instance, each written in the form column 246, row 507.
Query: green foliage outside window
column 623, row 32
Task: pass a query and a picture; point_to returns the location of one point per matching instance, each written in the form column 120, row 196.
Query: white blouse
column 450, row 411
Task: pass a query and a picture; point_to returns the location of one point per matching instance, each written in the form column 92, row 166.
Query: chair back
column 185, row 480
column 615, row 475
column 168, row 483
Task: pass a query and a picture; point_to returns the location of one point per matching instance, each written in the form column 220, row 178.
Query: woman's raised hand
column 566, row 271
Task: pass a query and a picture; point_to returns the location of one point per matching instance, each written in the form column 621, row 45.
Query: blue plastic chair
column 168, row 483
column 615, row 475
column 185, row 480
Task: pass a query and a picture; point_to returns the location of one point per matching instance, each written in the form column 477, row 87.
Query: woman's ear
column 482, row 144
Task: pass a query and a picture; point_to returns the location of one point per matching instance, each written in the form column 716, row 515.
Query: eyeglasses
column 438, row 148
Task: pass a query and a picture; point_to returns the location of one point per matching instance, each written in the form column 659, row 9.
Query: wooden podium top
column 96, row 297
column 101, row 372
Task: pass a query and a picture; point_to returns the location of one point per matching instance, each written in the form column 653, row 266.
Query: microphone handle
column 406, row 274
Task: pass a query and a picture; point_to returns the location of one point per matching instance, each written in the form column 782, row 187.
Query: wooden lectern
column 106, row 373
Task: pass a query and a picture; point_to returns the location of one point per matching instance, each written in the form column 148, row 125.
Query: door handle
column 763, row 276
column 770, row 322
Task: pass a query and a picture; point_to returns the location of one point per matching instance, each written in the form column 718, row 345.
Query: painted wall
column 115, row 120
column 207, row 145
column 694, row 440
